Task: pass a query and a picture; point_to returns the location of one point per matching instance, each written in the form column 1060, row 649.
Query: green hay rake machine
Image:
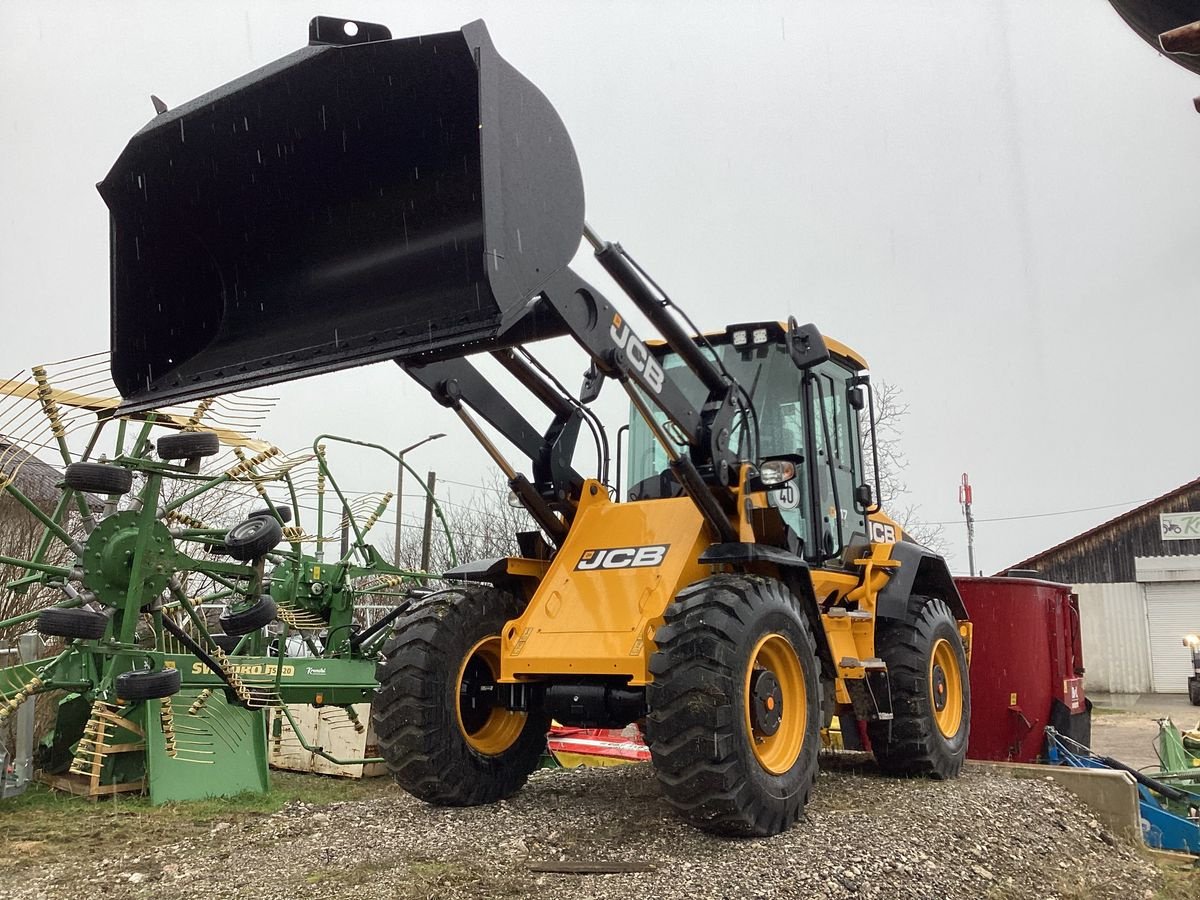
column 155, row 691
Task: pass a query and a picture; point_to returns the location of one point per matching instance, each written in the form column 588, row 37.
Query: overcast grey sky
column 994, row 202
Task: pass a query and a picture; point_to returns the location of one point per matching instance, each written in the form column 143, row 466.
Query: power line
column 1064, row 512
column 478, row 487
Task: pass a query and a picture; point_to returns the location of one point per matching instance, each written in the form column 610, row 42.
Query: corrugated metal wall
column 1172, row 588
column 1116, row 653
column 1173, row 610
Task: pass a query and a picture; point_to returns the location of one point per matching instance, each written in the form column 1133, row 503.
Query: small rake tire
column 285, row 513
column 188, row 445
column 98, row 478
column 253, row 538
column 71, row 623
column 147, row 684
column 431, row 749
column 915, row 744
column 717, row 766
column 237, row 623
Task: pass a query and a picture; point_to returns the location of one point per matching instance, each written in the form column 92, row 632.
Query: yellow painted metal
column 596, row 610
column 591, row 613
column 966, row 630
column 949, row 691
column 502, row 727
column 778, row 752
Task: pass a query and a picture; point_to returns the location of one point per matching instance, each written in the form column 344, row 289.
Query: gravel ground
column 983, row 835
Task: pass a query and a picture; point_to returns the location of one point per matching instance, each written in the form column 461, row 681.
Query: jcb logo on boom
column 623, row 557
column 637, row 353
column 882, row 533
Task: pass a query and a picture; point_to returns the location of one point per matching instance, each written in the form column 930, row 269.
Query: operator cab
column 808, row 416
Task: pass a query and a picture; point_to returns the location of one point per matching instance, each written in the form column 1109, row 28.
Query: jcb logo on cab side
column 882, row 533
column 637, row 354
column 623, row 557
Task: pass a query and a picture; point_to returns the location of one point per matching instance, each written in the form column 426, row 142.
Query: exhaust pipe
column 361, row 199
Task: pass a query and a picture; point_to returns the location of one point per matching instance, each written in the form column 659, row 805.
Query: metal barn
column 1138, row 581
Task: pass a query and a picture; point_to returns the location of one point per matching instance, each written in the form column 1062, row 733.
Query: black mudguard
column 921, row 572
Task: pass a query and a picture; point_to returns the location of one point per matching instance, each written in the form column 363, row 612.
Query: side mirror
column 863, row 497
column 805, row 345
column 857, row 397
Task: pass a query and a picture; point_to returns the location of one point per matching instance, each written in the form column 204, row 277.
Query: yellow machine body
column 596, row 609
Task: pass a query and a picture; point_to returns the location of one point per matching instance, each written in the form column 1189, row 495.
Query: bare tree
column 484, row 526
column 889, row 412
column 20, row 536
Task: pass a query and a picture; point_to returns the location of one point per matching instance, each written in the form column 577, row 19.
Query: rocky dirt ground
column 983, row 835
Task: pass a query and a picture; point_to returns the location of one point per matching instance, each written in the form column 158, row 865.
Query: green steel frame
column 131, row 564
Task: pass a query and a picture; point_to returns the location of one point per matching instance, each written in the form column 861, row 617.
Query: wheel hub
column 486, row 725
column 766, row 709
column 476, row 695
column 939, row 688
column 109, row 553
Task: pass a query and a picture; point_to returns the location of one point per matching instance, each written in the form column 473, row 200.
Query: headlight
column 776, row 471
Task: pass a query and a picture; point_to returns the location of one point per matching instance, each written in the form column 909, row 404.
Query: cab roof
column 836, row 347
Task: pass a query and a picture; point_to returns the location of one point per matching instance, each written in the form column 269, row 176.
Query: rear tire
column 443, row 739
column 735, row 706
column 1194, row 690
column 931, row 693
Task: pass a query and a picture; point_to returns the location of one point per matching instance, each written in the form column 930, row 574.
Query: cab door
column 835, row 459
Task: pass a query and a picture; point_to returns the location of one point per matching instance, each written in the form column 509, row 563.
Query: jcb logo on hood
column 623, row 557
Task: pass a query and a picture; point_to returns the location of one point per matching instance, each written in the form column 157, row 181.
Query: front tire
column 931, row 693
column 446, row 738
column 735, row 706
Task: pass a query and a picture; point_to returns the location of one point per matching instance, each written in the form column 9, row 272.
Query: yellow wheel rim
column 945, row 688
column 488, row 728
column 775, row 704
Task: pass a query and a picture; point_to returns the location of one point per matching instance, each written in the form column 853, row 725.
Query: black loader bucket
column 1169, row 26
column 352, row 202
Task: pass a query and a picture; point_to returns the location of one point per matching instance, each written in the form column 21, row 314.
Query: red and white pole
column 964, row 499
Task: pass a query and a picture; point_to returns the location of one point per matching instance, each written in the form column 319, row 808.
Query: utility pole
column 964, row 499
column 430, row 482
column 400, row 483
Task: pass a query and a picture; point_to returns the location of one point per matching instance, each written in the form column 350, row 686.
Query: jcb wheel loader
column 419, row 200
